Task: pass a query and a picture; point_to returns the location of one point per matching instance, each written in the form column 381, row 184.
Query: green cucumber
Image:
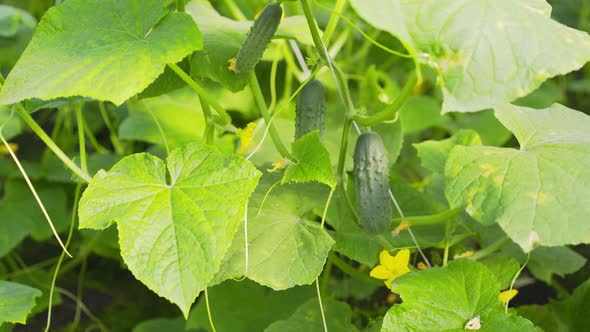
column 371, row 175
column 257, row 39
column 310, row 113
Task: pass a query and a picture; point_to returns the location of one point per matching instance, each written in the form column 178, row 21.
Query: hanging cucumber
column 371, row 174
column 257, row 39
column 310, row 112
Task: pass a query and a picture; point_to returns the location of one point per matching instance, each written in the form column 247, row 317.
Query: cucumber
column 371, row 175
column 310, row 112
column 257, row 39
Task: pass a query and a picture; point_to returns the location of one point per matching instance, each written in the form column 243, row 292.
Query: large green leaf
column 538, row 194
column 285, row 246
column 16, row 301
column 447, row 298
column 222, row 38
column 173, row 233
column 246, row 306
column 570, row 310
column 104, row 49
column 308, row 317
column 486, row 52
column 171, row 119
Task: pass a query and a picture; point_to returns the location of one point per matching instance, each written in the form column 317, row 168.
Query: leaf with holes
column 172, row 233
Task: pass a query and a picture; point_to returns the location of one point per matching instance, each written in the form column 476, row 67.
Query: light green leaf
column 286, row 247
column 174, row 118
column 173, row 233
column 419, row 113
column 486, row 52
column 308, row 318
column 246, row 306
column 313, row 161
column 447, row 298
column 222, row 38
column 537, row 194
column 503, row 267
column 16, row 301
column 491, row 131
column 434, row 154
column 82, row 48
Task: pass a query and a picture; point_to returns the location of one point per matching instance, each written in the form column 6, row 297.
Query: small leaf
column 537, row 194
column 434, row 154
column 173, row 233
column 82, row 48
column 313, row 162
column 16, row 302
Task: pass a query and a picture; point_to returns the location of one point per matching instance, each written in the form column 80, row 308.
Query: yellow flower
column 507, row 295
column 391, row 267
column 245, row 136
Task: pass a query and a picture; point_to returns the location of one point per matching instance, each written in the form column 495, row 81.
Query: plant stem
column 51, row 145
column 209, row 135
column 351, row 271
column 223, row 116
column 490, row 249
column 274, row 135
column 235, row 10
column 428, row 220
column 333, row 23
column 81, row 137
column 180, row 5
column 112, row 132
column 389, row 112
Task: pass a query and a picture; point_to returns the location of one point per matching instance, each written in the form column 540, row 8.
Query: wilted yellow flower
column 279, row 165
column 421, row 266
column 391, row 267
column 507, row 295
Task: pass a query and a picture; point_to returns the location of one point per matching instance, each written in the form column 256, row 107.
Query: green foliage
column 16, row 301
column 312, row 161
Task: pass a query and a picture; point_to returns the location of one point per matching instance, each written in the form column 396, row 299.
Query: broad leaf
column 161, row 324
column 173, row 233
column 447, row 298
column 107, row 50
column 16, row 302
column 222, row 38
column 286, row 247
column 572, row 311
column 22, row 216
column 486, row 52
column 246, row 306
column 308, row 318
column 313, row 162
column 548, row 261
column 537, row 194
column 171, row 119
column 434, row 154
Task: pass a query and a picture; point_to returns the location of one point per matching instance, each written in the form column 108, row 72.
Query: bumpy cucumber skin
column 258, row 37
column 310, row 112
column 371, row 174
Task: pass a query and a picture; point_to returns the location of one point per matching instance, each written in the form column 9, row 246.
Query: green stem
column 490, row 249
column 333, row 23
column 224, row 117
column 351, row 271
column 209, row 135
column 51, row 145
column 235, row 10
column 112, row 132
column 391, row 110
column 274, row 135
column 428, row 220
column 81, row 137
column 180, row 5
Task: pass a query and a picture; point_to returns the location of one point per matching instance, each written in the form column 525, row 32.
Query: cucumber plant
column 444, row 190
